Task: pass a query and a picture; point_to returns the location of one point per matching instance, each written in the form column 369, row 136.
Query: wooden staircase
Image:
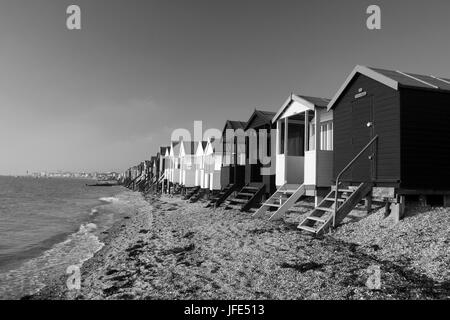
column 249, row 196
column 325, row 215
column 197, row 196
column 281, row 201
column 219, row 198
column 191, row 192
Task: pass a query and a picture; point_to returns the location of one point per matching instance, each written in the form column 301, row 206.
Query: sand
column 173, row 249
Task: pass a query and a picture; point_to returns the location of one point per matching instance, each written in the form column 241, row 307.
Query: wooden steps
column 249, row 196
column 282, row 200
column 218, row 199
column 324, row 216
column 191, row 192
column 197, row 196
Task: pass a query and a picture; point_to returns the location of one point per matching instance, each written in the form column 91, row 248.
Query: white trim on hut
column 200, row 165
column 174, row 162
column 187, row 162
column 213, row 164
column 304, row 157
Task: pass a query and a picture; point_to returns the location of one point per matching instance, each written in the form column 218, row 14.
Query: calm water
column 47, row 225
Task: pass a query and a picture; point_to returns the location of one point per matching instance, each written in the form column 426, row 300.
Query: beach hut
column 159, row 174
column 233, row 161
column 148, row 169
column 390, row 137
column 187, row 162
column 164, row 167
column 232, row 171
column 200, row 164
column 304, row 153
column 153, row 172
column 142, row 178
column 173, row 171
column 257, row 182
column 213, row 164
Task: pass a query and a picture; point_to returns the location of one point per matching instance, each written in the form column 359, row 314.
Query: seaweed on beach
column 178, row 250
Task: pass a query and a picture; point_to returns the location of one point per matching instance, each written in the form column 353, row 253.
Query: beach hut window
column 282, row 131
column 312, row 137
column 326, row 136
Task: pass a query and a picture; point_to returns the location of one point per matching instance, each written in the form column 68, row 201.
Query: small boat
column 105, row 184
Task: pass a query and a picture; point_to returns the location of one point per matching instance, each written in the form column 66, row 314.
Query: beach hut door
column 362, row 133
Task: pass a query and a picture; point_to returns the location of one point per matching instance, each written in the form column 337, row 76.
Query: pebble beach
column 171, row 249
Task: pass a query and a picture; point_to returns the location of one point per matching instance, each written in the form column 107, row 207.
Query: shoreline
column 105, row 237
column 30, row 272
column 170, row 249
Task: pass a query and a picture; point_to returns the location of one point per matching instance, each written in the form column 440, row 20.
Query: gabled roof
column 266, row 116
column 394, row 79
column 212, row 144
column 189, row 147
column 176, row 145
column 309, row 102
column 163, row 150
column 202, row 145
column 235, row 125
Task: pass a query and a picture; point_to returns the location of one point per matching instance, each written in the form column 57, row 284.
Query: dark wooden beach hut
column 257, row 184
column 391, row 137
column 232, row 172
column 233, row 164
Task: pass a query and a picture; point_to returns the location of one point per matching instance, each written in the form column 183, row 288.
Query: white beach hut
column 200, row 165
column 304, row 153
column 213, row 164
column 187, row 162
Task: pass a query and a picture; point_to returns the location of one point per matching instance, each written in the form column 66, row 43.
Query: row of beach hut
column 383, row 136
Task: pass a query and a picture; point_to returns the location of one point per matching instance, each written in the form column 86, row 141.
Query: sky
column 107, row 96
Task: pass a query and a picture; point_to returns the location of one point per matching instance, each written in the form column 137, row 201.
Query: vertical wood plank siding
column 386, row 118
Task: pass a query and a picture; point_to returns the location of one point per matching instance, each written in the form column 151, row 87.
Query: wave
column 64, row 250
column 32, row 276
column 109, row 199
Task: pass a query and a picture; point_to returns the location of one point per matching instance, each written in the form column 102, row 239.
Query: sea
column 50, row 224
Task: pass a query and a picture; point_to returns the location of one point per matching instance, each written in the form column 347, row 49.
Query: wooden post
column 398, row 209
column 318, row 135
column 286, row 132
column 368, row 203
column 278, row 142
column 306, row 138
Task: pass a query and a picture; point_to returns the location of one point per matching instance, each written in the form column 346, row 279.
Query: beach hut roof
column 310, row 102
column 235, row 125
column 175, row 148
column 264, row 116
column 188, row 147
column 201, row 147
column 211, row 145
column 163, row 151
column 394, row 79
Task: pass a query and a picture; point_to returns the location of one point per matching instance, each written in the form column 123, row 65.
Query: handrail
column 336, row 203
